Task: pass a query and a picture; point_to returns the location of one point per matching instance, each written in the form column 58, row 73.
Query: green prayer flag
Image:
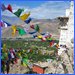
column 25, row 60
column 4, row 56
column 21, row 31
column 50, row 38
column 18, row 12
column 37, row 27
column 3, row 67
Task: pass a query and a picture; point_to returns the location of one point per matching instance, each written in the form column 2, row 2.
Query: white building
column 62, row 40
column 67, row 32
column 67, row 12
column 70, row 32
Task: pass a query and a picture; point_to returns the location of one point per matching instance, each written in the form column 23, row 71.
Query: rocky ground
column 63, row 65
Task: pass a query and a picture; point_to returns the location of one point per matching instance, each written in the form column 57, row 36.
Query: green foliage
column 34, row 46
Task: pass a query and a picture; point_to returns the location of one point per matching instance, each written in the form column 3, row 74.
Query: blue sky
column 41, row 9
column 24, row 3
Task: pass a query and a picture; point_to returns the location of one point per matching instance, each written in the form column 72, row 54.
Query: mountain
column 46, row 25
column 12, row 20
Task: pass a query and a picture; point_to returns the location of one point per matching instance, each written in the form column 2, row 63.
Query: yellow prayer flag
column 24, row 16
column 24, row 64
column 39, row 36
column 4, row 47
column 57, row 45
column 14, row 30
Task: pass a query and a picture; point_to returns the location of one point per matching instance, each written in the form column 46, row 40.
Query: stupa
column 67, row 31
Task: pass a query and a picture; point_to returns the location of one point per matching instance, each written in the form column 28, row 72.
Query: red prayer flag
column 51, row 43
column 9, row 8
column 32, row 26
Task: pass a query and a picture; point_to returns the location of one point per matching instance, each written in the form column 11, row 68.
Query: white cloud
column 50, row 9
